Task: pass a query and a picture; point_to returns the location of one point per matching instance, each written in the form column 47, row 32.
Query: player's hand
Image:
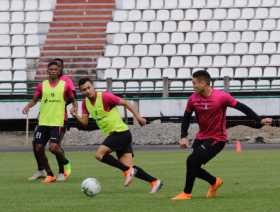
column 25, row 110
column 74, row 111
column 184, row 143
column 142, row 121
column 266, row 121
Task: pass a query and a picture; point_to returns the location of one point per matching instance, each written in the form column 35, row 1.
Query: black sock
column 40, row 166
column 44, row 161
column 110, row 160
column 141, row 174
column 60, row 165
column 59, row 154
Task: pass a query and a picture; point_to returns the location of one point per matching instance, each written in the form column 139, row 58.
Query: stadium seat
column 15, row 5
column 5, row 52
column 226, row 72
column 162, row 62
column 132, row 86
column 157, row 4
column 5, row 88
column 15, row 28
column 184, row 73
column 177, row 15
column 20, row 76
column 132, row 62
column 149, row 38
column 191, row 14
column 111, row 73
column 141, row 26
column 126, row 50
column 118, row 62
column 170, row 26
column 113, row 27
column 17, row 17
column 134, row 15
column 120, row 15
column 134, row 38
column 162, row 15
column 140, row 50
column 143, row 4
column 155, row 26
column 183, row 49
column 32, row 40
column 255, row 72
column 5, row 75
column 169, row 73
column 177, row 61
column 154, row 73
column 20, row 88
column 176, row 85
column 19, row 64
column 4, row 40
column 46, row 16
column 5, row 64
column 149, row 15
column 155, row 50
column 163, row 37
column 184, row 26
column 111, row 50
column 18, row 51
column 147, row 62
column 241, row 72
column 126, row 27
column 169, row 49
column 31, row 17
column 270, row 72
column 139, row 73
column 33, row 52
column 125, row 74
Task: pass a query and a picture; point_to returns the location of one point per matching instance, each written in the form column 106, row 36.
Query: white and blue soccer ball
column 90, row 186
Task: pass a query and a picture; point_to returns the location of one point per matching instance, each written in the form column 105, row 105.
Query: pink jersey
column 211, row 113
column 68, row 81
column 109, row 101
column 68, row 93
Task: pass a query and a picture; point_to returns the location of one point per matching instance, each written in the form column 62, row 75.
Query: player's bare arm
column 83, row 119
column 142, row 121
column 30, row 105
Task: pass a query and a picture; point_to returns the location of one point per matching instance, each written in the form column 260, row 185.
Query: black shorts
column 43, row 134
column 120, row 142
column 207, row 149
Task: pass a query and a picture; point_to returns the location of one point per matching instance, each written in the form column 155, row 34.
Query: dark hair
column 60, row 60
column 84, row 80
column 52, row 63
column 202, row 75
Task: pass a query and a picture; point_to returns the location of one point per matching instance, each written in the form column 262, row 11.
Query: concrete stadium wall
column 165, row 107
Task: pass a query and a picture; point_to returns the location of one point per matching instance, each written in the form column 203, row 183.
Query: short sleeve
column 229, row 100
column 189, row 106
column 38, row 91
column 110, row 100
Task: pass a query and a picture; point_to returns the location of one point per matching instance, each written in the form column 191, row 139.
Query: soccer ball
column 90, row 187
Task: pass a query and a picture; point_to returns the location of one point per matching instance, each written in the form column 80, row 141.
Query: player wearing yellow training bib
column 101, row 106
column 53, row 94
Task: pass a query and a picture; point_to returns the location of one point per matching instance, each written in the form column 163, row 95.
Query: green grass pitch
column 251, row 183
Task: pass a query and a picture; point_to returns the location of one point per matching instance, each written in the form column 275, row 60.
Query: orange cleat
column 212, row 190
column 156, row 186
column 182, row 196
column 129, row 174
column 49, row 179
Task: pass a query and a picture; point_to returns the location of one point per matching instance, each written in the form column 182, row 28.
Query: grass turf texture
column 251, row 183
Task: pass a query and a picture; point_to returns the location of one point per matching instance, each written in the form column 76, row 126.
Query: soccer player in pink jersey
column 40, row 172
column 210, row 107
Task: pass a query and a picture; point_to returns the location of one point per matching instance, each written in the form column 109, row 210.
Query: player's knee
column 99, row 156
column 53, row 147
column 38, row 148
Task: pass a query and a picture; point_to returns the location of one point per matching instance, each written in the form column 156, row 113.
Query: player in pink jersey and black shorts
column 210, row 107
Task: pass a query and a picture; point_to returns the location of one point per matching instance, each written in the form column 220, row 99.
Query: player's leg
column 40, row 172
column 125, row 155
column 41, row 138
column 61, row 165
column 103, row 154
column 55, row 148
